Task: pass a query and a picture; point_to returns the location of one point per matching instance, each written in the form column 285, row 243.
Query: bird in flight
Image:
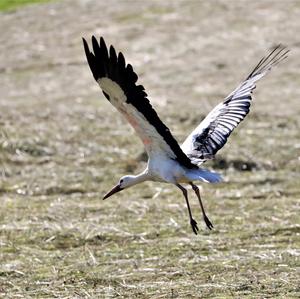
column 169, row 162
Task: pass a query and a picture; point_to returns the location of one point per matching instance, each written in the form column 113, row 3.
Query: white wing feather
column 212, row 133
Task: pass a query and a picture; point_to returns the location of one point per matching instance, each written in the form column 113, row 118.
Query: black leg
column 192, row 221
column 206, row 220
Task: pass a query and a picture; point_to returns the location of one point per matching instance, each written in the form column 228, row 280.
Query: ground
column 62, row 146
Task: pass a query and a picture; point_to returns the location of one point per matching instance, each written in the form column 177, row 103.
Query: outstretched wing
column 212, row 133
column 118, row 83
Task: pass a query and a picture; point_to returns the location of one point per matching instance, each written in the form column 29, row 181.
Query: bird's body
column 168, row 162
column 166, row 170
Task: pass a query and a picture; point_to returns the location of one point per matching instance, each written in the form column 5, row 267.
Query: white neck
column 142, row 177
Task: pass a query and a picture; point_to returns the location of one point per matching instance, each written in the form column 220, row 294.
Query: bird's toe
column 194, row 226
column 208, row 223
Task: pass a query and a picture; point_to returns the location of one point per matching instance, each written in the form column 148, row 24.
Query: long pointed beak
column 113, row 191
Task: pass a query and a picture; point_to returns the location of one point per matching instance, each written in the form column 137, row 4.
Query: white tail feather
column 205, row 175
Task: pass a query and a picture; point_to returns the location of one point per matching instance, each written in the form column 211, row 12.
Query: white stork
column 168, row 162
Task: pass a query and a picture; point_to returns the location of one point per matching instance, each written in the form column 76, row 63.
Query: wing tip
column 85, row 45
column 90, row 59
column 102, row 41
column 277, row 54
column 112, row 53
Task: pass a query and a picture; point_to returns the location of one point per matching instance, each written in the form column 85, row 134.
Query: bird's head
column 124, row 182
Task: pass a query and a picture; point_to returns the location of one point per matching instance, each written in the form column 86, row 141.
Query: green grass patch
column 6, row 5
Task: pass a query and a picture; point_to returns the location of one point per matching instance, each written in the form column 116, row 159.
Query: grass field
column 62, row 146
column 7, row 5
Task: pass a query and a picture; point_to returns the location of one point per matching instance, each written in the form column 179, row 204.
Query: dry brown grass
column 62, row 146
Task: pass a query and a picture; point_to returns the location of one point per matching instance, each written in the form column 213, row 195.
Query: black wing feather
column 104, row 64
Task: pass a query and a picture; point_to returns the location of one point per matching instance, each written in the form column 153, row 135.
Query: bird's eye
column 121, row 181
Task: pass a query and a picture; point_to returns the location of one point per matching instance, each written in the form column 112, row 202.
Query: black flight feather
column 113, row 66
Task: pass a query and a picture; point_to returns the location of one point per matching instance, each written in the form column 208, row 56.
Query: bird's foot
column 207, row 222
column 194, row 226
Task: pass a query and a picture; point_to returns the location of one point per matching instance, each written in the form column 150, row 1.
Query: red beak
column 113, row 191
